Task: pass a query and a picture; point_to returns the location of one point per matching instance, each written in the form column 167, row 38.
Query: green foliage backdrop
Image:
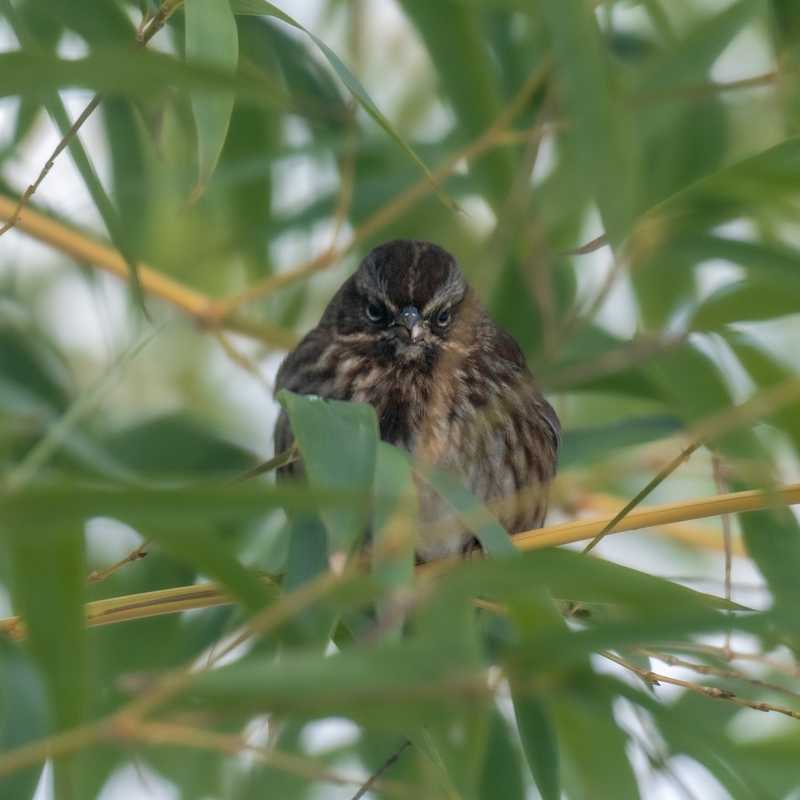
column 620, row 180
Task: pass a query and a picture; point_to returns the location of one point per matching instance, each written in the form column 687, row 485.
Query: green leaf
column 584, row 446
column 539, row 743
column 137, row 72
column 745, row 301
column 766, row 370
column 210, row 555
column 388, row 687
column 501, row 779
column 262, row 7
column 602, row 125
column 176, row 445
column 772, row 538
column 23, row 715
column 491, row 534
column 692, row 57
column 338, row 444
column 212, row 39
column 48, row 586
column 394, row 528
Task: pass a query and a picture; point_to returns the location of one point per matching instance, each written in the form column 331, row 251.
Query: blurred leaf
column 606, row 148
column 48, row 587
column 260, row 7
column 692, row 57
column 594, row 746
column 773, row 540
column 694, row 387
column 766, row 370
column 539, row 741
column 388, row 686
column 23, row 716
column 130, row 177
column 211, row 38
column 176, row 445
column 136, row 73
column 210, row 556
column 33, row 379
column 584, row 446
column 502, row 779
column 200, row 504
column 472, row 513
column 394, row 525
column 338, row 444
column 745, row 301
column 764, row 261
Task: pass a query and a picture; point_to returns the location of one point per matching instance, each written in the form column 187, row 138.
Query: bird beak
column 411, row 319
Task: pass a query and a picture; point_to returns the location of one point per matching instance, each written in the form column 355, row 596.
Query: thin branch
column 792, row 671
column 158, row 21
column 716, row 693
column 373, row 779
column 717, row 672
column 138, row 553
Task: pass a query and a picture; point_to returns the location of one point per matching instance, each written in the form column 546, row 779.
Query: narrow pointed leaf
column 212, row 39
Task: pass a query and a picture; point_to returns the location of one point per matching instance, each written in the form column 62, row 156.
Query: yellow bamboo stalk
column 87, row 251
column 186, row 598
column 699, row 536
column 654, row 516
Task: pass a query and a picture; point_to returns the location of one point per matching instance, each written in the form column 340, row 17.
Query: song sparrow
column 408, row 335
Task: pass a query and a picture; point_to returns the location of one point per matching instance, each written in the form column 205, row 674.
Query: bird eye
column 443, row 317
column 375, row 312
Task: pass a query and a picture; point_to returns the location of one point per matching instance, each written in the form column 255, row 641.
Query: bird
column 407, row 334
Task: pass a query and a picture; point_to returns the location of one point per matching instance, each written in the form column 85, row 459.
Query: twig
column 706, row 669
column 656, row 678
column 373, row 779
column 97, row 575
column 158, row 21
column 793, row 671
column 653, row 484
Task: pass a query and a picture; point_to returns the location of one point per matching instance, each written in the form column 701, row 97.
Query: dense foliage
column 620, row 182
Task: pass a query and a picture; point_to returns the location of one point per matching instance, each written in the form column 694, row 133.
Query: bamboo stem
column 205, row 595
column 654, row 516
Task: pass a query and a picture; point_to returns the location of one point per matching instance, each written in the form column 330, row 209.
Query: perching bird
column 408, row 335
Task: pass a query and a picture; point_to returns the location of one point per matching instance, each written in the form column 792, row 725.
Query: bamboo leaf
column 212, row 39
column 745, row 301
column 338, row 444
column 23, row 715
column 48, row 589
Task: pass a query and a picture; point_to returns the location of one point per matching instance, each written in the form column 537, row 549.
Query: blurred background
column 621, row 187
